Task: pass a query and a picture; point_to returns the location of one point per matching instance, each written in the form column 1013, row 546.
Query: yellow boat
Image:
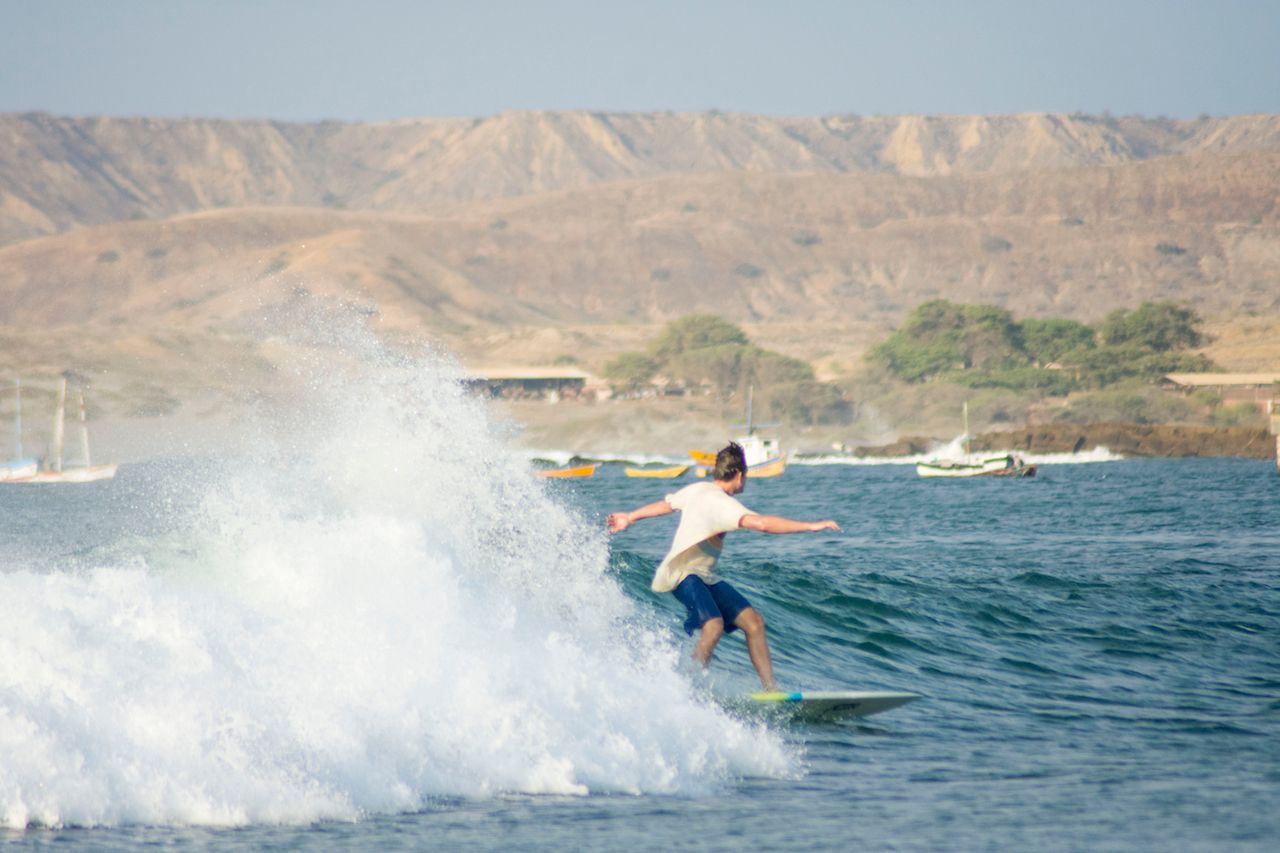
column 580, row 471
column 703, row 458
column 768, row 468
column 661, row 473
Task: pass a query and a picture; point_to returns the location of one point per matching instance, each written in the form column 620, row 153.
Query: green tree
column 1160, row 326
column 1050, row 340
column 695, row 331
column 764, row 367
column 940, row 335
column 721, row 366
column 630, row 370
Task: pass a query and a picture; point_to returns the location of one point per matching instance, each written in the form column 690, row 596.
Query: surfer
column 708, row 511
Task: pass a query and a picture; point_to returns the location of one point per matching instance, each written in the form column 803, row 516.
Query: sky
column 387, row 59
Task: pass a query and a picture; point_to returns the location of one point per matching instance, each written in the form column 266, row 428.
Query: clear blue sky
column 384, row 59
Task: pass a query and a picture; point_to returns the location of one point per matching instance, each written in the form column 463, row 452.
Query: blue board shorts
column 703, row 601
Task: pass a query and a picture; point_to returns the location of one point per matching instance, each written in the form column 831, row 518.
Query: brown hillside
column 756, row 248
column 57, row 173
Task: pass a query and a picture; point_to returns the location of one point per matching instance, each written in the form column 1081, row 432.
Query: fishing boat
column 576, row 471
column 1007, row 465
column 765, row 457
column 20, row 465
column 669, row 473
column 1004, row 465
column 86, row 472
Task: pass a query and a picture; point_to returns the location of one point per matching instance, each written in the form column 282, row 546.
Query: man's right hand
column 825, row 525
column 618, row 522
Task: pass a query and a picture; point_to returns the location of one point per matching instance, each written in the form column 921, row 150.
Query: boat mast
column 17, row 415
column 84, row 432
column 751, row 389
column 966, row 431
column 59, row 416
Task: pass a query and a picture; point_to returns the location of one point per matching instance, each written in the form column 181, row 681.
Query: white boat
column 765, row 457
column 1000, row 466
column 1004, row 465
column 20, row 465
column 86, row 472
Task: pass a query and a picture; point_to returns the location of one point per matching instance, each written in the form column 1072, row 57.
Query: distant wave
column 563, row 457
column 1097, row 454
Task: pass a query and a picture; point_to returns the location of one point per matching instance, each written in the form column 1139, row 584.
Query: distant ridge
column 57, row 173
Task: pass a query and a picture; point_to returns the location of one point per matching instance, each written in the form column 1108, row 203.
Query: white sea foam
column 383, row 608
column 954, row 450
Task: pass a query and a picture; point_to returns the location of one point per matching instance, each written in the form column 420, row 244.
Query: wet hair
column 730, row 462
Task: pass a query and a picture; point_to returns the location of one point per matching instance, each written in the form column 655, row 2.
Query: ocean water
column 382, row 632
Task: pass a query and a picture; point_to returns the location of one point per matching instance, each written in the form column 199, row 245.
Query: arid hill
column 57, row 173
column 755, row 248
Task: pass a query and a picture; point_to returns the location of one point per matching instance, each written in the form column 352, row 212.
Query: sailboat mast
column 966, row 431
column 59, row 416
column 17, row 416
column 751, row 389
column 84, row 433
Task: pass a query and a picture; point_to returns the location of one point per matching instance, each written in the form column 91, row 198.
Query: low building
column 534, row 383
column 1255, row 388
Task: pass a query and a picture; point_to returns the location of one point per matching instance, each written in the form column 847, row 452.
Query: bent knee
column 713, row 627
column 750, row 621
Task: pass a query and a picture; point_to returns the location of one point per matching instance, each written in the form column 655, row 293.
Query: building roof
column 1198, row 380
column 513, row 373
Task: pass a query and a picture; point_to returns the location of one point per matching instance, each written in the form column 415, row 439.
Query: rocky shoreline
column 1157, row 440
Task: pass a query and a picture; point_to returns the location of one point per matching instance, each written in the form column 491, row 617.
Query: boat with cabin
column 764, row 454
column 1004, row 465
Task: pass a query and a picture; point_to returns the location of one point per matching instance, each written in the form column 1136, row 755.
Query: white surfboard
column 831, row 705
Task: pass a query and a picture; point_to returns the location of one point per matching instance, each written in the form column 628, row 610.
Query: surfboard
column 831, row 705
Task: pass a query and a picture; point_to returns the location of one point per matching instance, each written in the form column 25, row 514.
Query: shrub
column 807, row 402
column 765, row 367
column 721, row 366
column 805, row 238
column 630, row 369
column 1132, row 404
column 995, row 244
column 1236, row 415
column 1055, row 383
column 1170, row 249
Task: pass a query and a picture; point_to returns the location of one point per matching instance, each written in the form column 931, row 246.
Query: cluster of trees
column 982, row 346
column 702, row 350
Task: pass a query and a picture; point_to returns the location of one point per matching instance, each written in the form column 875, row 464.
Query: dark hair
column 730, row 462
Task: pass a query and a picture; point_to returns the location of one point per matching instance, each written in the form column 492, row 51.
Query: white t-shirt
column 707, row 512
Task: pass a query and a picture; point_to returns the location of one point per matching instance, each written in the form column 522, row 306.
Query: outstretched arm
column 620, row 521
column 778, row 524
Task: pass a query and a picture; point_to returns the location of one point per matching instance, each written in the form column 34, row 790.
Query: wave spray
column 377, row 607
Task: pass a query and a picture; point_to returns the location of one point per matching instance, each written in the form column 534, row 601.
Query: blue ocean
column 380, row 631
